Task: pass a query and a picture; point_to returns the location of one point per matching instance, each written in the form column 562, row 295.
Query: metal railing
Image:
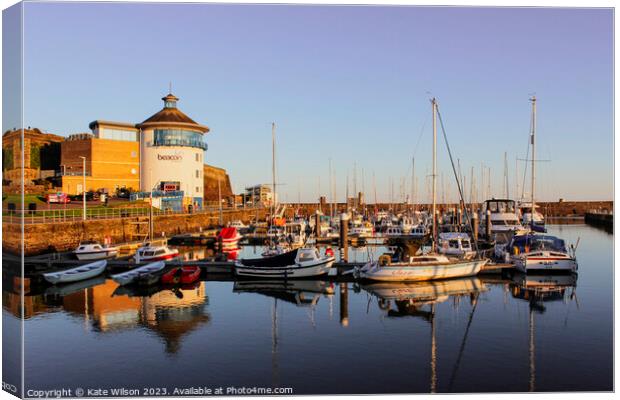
column 101, row 213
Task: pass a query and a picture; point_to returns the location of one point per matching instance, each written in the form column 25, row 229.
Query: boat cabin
column 531, row 243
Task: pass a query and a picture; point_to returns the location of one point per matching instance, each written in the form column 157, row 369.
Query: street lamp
column 83, row 187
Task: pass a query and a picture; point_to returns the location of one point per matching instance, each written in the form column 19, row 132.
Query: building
column 172, row 151
column 259, row 195
column 164, row 153
column 41, row 155
column 112, row 160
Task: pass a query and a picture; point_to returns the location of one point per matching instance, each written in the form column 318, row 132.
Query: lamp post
column 83, row 187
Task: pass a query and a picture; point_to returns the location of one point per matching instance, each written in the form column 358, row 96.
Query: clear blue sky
column 350, row 83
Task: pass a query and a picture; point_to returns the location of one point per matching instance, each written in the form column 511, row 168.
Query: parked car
column 59, row 197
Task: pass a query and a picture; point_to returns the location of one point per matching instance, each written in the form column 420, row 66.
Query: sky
column 346, row 83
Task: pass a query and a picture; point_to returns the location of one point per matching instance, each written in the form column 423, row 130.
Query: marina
column 482, row 334
column 208, row 199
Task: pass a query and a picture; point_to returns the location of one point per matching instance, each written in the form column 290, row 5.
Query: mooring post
column 344, row 304
column 317, row 224
column 344, row 242
column 474, row 225
column 488, row 225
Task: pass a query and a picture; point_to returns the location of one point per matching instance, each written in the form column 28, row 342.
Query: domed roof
column 170, row 115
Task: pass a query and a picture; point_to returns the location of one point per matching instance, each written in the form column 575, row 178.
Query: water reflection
column 411, row 298
column 302, row 293
column 418, row 299
column 171, row 313
column 538, row 289
column 491, row 334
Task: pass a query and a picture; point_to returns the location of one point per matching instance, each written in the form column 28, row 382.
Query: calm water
column 479, row 334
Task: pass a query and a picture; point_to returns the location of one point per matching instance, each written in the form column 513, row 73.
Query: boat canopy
column 538, row 242
column 280, row 260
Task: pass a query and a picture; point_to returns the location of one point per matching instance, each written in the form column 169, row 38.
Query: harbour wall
column 548, row 209
column 65, row 236
column 602, row 220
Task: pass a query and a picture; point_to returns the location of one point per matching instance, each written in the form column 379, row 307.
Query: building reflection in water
column 538, row 289
column 170, row 313
column 418, row 299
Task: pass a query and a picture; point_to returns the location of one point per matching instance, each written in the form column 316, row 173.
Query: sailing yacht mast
column 434, row 104
column 273, row 167
column 533, row 138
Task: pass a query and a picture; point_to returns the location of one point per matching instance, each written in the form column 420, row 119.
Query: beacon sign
column 170, row 157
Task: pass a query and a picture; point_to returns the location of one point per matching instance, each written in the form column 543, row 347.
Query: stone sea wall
column 64, row 236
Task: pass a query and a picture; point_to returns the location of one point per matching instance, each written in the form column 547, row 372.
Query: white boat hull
column 80, row 273
column 531, row 264
column 404, row 272
column 97, row 255
column 129, row 276
column 298, row 270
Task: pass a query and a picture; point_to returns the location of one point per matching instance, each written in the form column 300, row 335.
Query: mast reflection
column 538, row 289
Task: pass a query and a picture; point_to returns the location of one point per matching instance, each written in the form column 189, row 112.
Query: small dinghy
column 183, row 275
column 80, row 273
column 298, row 263
column 125, row 278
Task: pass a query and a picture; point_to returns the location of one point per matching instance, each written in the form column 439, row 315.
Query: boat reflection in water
column 538, row 289
column 418, row 299
column 302, row 293
column 411, row 297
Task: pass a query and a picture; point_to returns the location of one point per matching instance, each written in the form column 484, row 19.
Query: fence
column 99, row 213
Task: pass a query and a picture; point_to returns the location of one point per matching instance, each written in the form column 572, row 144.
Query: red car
column 59, row 197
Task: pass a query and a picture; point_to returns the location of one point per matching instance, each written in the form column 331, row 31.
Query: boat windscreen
column 536, row 242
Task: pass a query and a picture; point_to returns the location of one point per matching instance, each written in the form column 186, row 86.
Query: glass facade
column 118, row 134
column 178, row 137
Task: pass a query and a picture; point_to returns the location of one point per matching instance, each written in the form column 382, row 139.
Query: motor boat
column 94, row 251
column 298, row 263
column 229, row 237
column 525, row 209
column 457, row 244
column 503, row 218
column 541, row 252
column 363, row 230
column 393, row 231
column 239, row 225
column 154, row 252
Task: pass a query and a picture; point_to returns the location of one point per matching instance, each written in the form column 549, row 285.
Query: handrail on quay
column 101, row 213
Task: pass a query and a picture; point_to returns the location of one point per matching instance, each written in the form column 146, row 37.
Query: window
column 178, row 137
column 197, row 173
column 197, row 189
column 197, row 156
column 118, row 134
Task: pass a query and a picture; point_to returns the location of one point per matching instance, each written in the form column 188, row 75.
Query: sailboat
column 405, row 265
column 534, row 251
